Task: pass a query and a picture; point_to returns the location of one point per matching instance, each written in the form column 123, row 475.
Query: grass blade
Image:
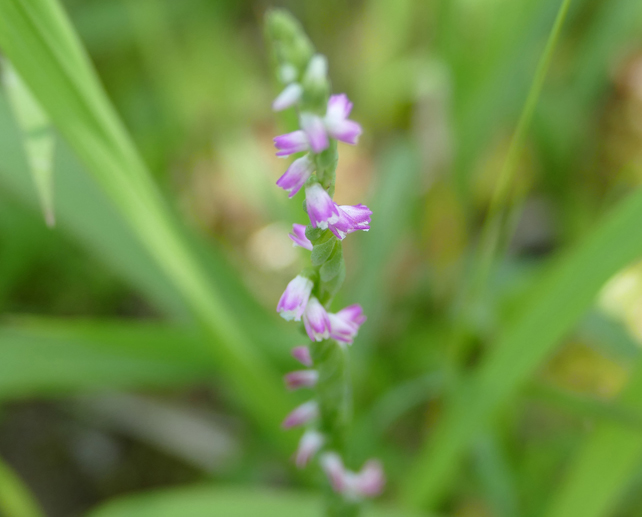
column 203, row 501
column 50, row 358
column 562, row 298
column 38, row 40
column 604, row 464
column 38, row 138
column 15, row 498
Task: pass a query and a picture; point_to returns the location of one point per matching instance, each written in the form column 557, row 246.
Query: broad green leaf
column 206, row 501
column 85, row 215
column 562, row 298
column 322, row 250
column 585, row 406
column 333, row 266
column 39, row 41
column 15, row 498
column 604, row 464
column 49, row 358
column 38, row 138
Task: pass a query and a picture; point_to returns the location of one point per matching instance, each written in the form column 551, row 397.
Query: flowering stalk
column 323, row 121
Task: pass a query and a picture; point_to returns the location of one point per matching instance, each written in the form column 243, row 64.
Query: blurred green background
column 108, row 384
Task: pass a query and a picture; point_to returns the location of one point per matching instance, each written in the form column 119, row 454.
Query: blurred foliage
column 537, row 414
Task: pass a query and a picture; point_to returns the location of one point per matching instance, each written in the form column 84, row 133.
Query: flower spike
column 304, row 75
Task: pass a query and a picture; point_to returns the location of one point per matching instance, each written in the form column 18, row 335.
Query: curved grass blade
column 37, row 38
column 605, row 463
column 205, row 501
column 38, row 138
column 15, row 498
column 563, row 297
column 51, row 358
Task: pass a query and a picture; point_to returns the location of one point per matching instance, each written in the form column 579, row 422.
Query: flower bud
column 303, row 414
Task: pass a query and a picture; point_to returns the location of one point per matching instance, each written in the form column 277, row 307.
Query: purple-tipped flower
column 299, row 238
column 311, row 442
column 288, row 97
column 316, row 320
column 291, row 143
column 296, row 175
column 314, row 129
column 336, row 120
column 295, row 298
column 301, row 379
column 321, row 209
column 354, row 486
column 371, row 480
column 345, row 324
column 303, row 414
column 333, row 467
column 302, row 354
column 351, row 219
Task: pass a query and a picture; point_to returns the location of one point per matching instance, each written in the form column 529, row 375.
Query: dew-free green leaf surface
column 38, row 138
column 15, row 498
column 49, row 358
column 604, row 465
column 38, row 39
column 563, row 297
column 205, row 501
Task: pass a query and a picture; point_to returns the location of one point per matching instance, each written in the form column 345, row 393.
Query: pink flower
column 316, row 320
column 288, row 97
column 333, row 467
column 345, row 324
column 354, row 486
column 301, row 379
column 322, row 211
column 311, row 442
column 351, row 219
column 371, row 480
column 296, row 175
column 336, row 120
column 295, row 298
column 302, row 354
column 298, row 237
column 314, row 129
column 291, row 143
column 303, row 414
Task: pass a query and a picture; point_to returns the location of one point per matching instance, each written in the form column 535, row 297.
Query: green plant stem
column 334, row 395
